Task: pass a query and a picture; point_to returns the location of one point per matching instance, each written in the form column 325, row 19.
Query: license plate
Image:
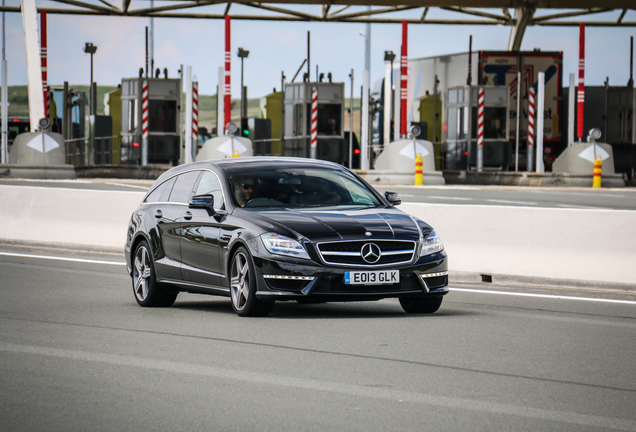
column 377, row 277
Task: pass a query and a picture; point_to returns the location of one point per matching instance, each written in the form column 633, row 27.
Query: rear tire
column 421, row 305
column 148, row 292
column 243, row 287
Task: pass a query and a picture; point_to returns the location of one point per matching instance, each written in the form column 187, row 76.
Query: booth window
column 329, row 119
column 162, row 116
column 494, row 122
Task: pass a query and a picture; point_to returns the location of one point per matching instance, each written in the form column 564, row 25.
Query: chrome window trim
column 143, row 202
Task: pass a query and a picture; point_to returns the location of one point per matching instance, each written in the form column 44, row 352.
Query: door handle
column 188, row 215
column 158, row 214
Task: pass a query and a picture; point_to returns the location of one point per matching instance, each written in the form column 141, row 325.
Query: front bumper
column 285, row 280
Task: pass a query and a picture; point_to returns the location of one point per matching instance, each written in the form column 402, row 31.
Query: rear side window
column 184, row 187
column 157, row 193
column 210, row 185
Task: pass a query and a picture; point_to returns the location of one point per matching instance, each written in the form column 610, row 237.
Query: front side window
column 210, row 185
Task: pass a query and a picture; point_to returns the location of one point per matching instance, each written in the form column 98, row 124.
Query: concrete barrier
column 66, row 217
column 509, row 244
column 540, row 243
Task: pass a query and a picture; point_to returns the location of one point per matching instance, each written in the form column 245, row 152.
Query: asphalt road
column 582, row 198
column 77, row 354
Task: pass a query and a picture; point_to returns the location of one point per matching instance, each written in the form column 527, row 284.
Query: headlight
column 281, row 245
column 432, row 244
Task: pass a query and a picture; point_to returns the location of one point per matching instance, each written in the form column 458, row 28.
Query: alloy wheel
column 141, row 273
column 240, row 281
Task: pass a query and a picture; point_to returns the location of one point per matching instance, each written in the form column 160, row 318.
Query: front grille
column 331, row 284
column 349, row 252
column 436, row 282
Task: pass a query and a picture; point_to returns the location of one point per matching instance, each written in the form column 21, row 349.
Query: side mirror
column 393, row 198
column 203, row 201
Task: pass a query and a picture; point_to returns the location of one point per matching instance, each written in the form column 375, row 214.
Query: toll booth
column 164, row 120
column 460, row 152
column 331, row 145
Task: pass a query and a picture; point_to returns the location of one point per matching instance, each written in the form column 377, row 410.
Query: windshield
column 300, row 187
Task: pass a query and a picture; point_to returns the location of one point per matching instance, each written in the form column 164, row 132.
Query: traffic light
column 245, row 130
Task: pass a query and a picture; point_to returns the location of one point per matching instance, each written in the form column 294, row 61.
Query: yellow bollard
column 419, row 181
column 598, row 167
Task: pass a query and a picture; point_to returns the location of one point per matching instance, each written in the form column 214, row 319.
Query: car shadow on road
column 348, row 310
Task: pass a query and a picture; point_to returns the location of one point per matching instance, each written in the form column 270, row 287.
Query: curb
column 67, row 247
column 537, row 281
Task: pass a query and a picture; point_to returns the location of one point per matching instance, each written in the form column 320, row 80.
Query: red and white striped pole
column 228, row 89
column 43, row 57
column 314, row 123
column 195, row 113
column 144, row 125
column 480, row 131
column 581, row 92
column 530, row 128
column 405, row 78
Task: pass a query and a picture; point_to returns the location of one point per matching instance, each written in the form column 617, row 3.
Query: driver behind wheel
column 244, row 189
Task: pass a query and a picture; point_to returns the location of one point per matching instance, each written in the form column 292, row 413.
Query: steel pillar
column 523, row 18
column 34, row 70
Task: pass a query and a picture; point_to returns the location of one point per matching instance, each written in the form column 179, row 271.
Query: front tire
column 421, row 305
column 148, row 292
column 243, row 287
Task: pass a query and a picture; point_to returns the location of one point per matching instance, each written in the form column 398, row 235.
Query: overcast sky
column 282, row 46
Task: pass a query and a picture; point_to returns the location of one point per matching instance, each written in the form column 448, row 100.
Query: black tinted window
column 155, row 195
column 183, row 187
column 166, row 193
column 210, row 185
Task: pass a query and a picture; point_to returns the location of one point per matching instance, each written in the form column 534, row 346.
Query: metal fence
column 103, row 152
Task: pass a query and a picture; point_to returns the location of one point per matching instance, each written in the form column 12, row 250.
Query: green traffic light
column 246, row 132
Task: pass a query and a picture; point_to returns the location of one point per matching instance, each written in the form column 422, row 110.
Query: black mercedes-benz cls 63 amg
column 266, row 229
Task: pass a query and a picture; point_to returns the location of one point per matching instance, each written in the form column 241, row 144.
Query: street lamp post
column 89, row 48
column 389, row 56
column 243, row 55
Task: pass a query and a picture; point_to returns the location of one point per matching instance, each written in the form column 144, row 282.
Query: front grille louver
column 348, row 252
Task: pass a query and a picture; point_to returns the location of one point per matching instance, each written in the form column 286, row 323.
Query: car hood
column 321, row 225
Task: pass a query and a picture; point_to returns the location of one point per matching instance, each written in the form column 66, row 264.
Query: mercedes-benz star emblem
column 371, row 253
column 368, row 233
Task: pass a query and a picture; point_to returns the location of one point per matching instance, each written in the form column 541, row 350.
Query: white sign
column 588, row 153
column 43, row 143
column 226, row 147
column 408, row 150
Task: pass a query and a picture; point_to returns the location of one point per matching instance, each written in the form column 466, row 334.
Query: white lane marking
column 451, row 198
column 81, row 260
column 549, row 296
column 581, row 207
column 511, row 202
column 327, row 386
column 53, row 181
column 127, row 185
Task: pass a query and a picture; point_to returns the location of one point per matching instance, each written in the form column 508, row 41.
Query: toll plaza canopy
column 517, row 14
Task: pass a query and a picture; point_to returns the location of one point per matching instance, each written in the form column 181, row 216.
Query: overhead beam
column 592, row 11
column 473, row 12
column 154, row 11
column 620, row 18
column 374, row 16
